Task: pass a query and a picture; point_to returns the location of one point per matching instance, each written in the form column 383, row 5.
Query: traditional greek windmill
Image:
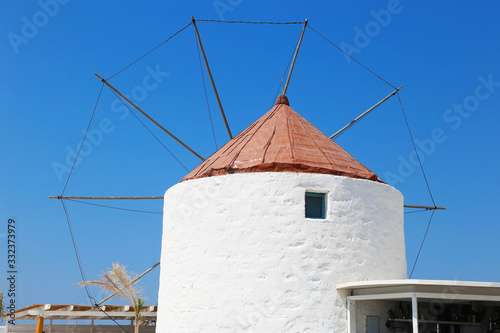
column 281, row 230
column 261, row 232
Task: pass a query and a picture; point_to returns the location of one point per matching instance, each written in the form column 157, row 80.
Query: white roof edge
column 410, row 282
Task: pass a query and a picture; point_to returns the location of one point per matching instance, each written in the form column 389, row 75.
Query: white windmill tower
column 257, row 236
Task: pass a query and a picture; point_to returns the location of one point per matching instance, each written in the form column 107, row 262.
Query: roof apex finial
column 282, row 99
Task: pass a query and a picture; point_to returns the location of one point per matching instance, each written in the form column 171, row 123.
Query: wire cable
column 409, row 131
column 112, row 207
column 426, row 182
column 206, row 95
column 80, row 267
column 97, row 306
column 284, row 74
column 68, row 220
column 117, row 96
column 75, row 247
column 83, row 141
column 421, row 245
column 417, row 211
column 254, row 22
column 248, row 22
column 359, row 63
column 416, row 151
column 133, row 62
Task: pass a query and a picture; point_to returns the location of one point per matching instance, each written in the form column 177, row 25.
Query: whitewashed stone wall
column 238, row 255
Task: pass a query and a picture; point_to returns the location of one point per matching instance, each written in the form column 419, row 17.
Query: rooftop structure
column 282, row 140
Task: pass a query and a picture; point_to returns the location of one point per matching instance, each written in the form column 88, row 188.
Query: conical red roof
column 282, row 141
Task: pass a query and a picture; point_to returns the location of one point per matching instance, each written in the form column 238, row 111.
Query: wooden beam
column 343, row 129
column 133, row 281
column 425, row 207
column 60, row 197
column 70, row 307
column 161, row 198
column 97, row 315
column 149, row 117
column 295, row 57
column 211, row 79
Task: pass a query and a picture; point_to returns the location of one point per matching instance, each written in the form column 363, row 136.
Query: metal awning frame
column 415, row 290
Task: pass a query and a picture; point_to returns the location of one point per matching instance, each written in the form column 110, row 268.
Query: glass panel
column 315, row 205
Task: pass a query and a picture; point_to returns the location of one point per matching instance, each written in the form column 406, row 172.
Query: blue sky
column 445, row 55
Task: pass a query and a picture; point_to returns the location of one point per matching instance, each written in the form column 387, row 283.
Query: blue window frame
column 315, row 205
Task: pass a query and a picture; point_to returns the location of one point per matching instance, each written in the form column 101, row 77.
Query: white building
column 281, row 230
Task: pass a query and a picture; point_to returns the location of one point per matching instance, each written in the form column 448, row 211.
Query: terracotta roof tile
column 282, row 141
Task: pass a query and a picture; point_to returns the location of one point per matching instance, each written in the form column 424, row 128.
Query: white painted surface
column 351, row 316
column 489, row 287
column 238, row 255
column 373, row 308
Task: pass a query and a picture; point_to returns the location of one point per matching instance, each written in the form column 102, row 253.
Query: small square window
column 315, row 205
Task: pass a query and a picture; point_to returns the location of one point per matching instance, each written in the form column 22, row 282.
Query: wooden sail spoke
column 212, row 79
column 343, row 129
column 149, row 117
column 295, row 57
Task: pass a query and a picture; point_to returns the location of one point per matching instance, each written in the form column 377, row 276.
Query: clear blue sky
column 446, row 55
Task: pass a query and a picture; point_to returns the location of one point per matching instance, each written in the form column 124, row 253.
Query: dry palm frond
column 118, row 280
